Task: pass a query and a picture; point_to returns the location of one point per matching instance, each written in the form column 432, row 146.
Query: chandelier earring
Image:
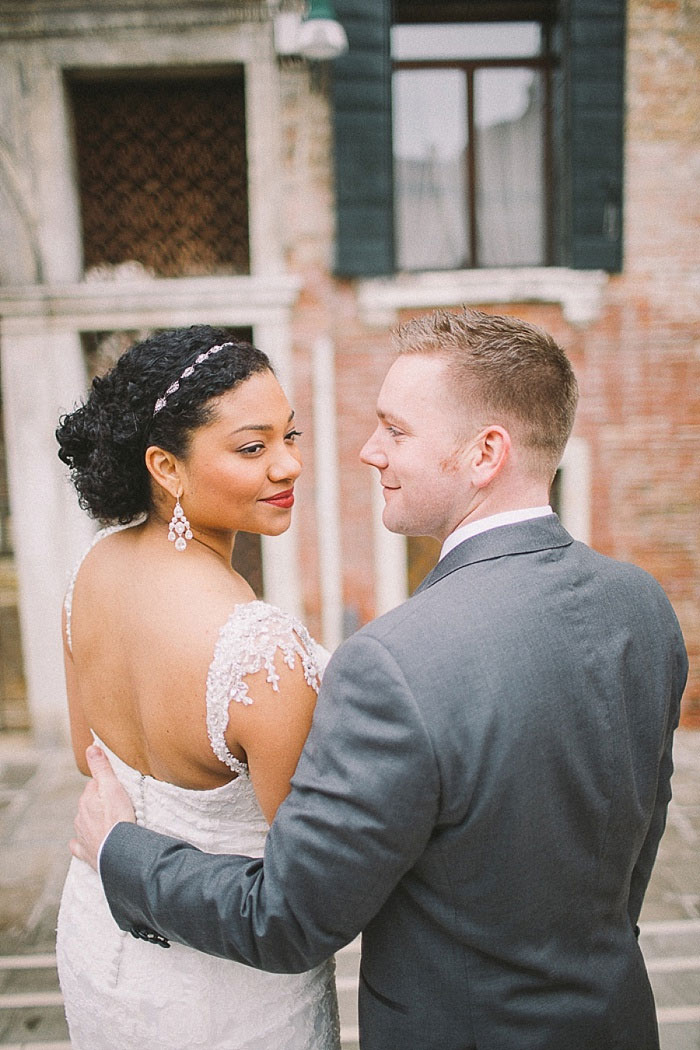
column 179, row 531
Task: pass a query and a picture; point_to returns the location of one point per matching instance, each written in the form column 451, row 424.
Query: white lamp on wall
column 316, row 35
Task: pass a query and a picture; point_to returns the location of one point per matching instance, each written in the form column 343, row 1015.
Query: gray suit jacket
column 482, row 793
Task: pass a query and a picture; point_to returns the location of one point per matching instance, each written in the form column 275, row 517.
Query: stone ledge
column 37, row 19
column 150, row 301
column 579, row 292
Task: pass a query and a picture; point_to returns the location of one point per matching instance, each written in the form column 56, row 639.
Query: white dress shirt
column 494, row 521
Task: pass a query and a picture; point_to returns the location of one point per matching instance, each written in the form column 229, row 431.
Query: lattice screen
column 163, row 174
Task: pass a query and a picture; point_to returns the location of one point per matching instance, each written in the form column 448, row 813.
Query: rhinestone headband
column 162, row 401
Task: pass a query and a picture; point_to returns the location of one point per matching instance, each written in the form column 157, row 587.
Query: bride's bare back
column 144, row 626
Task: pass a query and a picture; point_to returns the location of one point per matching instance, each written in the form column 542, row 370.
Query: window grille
column 162, row 173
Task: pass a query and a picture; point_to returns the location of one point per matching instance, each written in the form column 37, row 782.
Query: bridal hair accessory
column 162, row 401
column 179, row 531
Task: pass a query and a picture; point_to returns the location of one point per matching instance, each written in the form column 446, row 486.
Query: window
column 508, row 131
column 162, row 172
column 471, row 145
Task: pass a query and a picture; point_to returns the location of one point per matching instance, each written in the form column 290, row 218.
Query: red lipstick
column 282, row 499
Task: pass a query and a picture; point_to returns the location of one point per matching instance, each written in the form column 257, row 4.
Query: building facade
column 170, row 163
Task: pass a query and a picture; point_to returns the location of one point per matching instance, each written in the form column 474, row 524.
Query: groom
column 486, row 780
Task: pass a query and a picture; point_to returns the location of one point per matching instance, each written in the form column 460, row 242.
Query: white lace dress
column 121, row 993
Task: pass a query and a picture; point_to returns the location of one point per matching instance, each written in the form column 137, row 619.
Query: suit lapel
column 522, row 538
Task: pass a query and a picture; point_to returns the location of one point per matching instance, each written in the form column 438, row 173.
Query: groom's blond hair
column 505, row 371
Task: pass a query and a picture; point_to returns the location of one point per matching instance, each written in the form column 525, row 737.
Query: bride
column 200, row 695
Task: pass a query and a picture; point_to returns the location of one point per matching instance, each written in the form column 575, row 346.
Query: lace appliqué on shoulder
column 248, row 642
column 68, row 600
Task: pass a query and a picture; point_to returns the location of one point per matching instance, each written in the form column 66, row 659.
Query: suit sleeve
column 647, row 855
column 363, row 804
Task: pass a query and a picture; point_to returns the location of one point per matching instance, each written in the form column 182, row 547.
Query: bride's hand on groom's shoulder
column 103, row 803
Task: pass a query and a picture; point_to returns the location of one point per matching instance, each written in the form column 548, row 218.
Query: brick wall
column 638, row 362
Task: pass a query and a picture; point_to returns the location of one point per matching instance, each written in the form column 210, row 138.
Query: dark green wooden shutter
column 593, row 56
column 589, row 137
column 362, row 126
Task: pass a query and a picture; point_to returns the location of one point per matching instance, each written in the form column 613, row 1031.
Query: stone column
column 42, row 377
column 42, row 369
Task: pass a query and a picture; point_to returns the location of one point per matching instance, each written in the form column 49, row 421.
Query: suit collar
column 522, row 538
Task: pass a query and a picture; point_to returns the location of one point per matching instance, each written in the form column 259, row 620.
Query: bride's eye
column 292, row 435
column 250, row 450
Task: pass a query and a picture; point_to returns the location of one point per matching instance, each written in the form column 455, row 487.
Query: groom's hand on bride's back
column 103, row 803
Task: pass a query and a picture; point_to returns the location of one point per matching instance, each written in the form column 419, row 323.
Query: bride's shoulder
column 257, row 636
column 262, row 652
column 255, row 615
column 257, row 626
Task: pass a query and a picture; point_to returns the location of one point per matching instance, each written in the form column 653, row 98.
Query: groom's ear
column 488, row 455
column 163, row 467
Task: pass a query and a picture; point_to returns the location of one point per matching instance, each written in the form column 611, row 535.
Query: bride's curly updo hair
column 104, row 440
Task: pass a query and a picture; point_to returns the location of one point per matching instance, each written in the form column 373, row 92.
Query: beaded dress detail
column 121, row 993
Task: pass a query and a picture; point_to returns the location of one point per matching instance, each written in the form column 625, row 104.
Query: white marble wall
column 45, row 304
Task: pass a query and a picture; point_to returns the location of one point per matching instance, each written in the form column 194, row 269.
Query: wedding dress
column 121, row 993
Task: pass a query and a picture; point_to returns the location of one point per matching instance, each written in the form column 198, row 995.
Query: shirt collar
column 494, row 521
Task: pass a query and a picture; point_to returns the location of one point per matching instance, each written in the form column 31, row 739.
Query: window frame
column 546, row 63
column 588, row 40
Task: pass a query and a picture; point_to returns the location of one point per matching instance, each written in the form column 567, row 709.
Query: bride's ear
column 164, row 469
